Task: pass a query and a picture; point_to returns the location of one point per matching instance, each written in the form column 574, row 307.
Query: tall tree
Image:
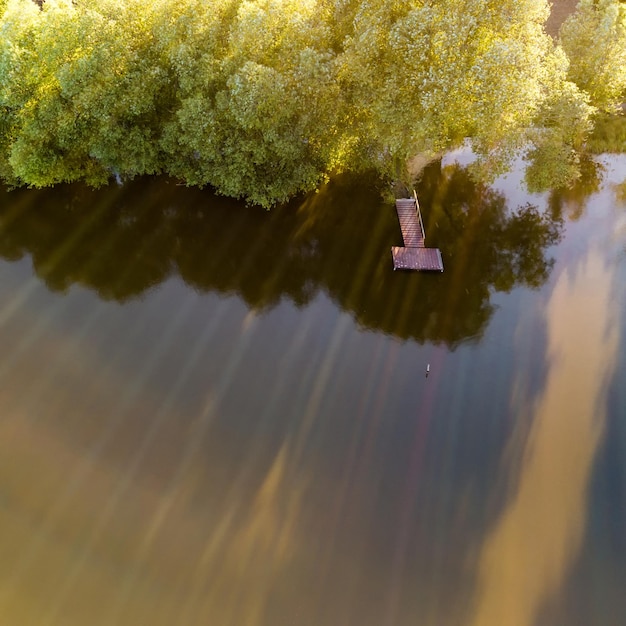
column 85, row 91
column 431, row 74
column 260, row 118
column 594, row 38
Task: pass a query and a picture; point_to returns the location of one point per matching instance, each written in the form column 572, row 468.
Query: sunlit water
column 211, row 414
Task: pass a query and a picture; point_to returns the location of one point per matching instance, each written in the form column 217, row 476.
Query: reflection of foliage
column 501, row 248
column 570, row 201
column 609, row 134
column 551, row 165
column 620, row 193
column 554, row 160
column 121, row 241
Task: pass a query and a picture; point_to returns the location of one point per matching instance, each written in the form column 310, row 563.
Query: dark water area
column 210, row 413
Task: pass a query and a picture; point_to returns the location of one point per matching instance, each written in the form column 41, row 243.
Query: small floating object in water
column 427, row 370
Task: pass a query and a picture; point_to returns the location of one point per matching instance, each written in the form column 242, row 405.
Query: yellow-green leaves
column 431, row 74
column 263, row 99
column 594, row 38
column 258, row 117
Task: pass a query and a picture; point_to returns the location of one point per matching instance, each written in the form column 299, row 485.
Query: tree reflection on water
column 123, row 241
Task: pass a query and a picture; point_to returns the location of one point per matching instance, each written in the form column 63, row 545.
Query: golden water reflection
column 199, row 564
column 91, row 536
column 529, row 552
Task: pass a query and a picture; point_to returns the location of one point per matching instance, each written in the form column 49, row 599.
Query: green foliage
column 258, row 118
column 264, row 99
column 608, row 135
column 594, row 38
column 430, row 74
column 563, row 125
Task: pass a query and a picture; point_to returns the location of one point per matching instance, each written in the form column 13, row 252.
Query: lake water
column 213, row 414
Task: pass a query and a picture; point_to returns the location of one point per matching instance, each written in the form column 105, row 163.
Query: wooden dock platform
column 415, row 255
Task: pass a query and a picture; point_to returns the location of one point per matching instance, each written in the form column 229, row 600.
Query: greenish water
column 213, row 414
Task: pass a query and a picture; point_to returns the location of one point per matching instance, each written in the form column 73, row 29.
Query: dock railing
column 419, row 214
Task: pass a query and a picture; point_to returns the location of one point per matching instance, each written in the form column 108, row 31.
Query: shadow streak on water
column 123, row 241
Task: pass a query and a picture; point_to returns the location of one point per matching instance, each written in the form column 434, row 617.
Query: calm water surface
column 212, row 414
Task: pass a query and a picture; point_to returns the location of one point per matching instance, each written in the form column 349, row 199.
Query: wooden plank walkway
column 412, row 233
column 415, row 255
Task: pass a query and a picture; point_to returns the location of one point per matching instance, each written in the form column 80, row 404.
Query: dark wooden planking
column 420, row 259
column 415, row 255
column 412, row 233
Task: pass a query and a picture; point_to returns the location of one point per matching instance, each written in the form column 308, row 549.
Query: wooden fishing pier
column 414, row 255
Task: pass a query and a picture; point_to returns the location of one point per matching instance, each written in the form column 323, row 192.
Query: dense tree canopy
column 594, row 38
column 262, row 99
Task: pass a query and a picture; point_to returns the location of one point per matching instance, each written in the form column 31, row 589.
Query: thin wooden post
column 419, row 214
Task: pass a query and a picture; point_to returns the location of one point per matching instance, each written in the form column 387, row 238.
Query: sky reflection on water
column 188, row 436
column 528, row 553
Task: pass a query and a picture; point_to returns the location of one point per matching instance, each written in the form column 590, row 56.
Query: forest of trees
column 264, row 99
